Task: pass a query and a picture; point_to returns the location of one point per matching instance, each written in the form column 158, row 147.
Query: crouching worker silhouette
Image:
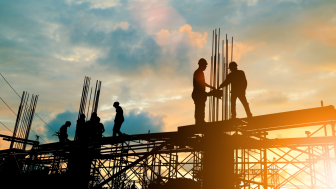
column 238, row 89
column 118, row 120
column 199, row 95
column 63, row 134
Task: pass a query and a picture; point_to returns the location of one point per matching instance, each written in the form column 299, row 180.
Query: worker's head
column 98, row 119
column 202, row 64
column 115, row 104
column 233, row 66
column 93, row 116
column 82, row 116
column 68, row 123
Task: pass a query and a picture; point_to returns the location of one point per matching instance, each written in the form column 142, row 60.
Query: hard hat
column 233, row 64
column 202, row 61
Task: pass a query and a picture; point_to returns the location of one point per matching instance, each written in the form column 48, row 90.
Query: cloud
column 138, row 122
column 56, row 124
column 241, row 49
column 325, row 33
column 134, row 53
column 97, row 4
column 122, row 25
column 154, row 15
column 270, row 98
column 165, row 38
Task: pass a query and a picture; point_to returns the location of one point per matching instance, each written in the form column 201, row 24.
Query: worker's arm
column 226, row 82
column 207, row 85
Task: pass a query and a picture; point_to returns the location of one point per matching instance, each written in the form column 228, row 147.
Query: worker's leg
column 115, row 130
column 243, row 100
column 118, row 131
column 199, row 112
column 233, row 106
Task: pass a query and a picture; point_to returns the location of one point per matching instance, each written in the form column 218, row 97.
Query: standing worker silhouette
column 238, row 89
column 80, row 127
column 118, row 120
column 199, row 95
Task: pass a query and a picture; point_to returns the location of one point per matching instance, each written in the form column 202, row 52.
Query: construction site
column 220, row 153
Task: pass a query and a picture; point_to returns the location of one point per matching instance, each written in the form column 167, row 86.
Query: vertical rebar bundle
column 218, row 73
column 24, row 120
column 85, row 94
column 96, row 97
column 82, row 105
column 85, row 91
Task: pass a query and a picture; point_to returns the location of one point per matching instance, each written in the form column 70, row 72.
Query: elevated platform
column 277, row 121
column 268, row 122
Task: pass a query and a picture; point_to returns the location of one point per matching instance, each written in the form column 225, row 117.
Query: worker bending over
column 63, row 134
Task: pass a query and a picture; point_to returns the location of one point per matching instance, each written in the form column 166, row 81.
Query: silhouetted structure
column 24, row 120
column 118, row 120
column 228, row 152
column 238, row 83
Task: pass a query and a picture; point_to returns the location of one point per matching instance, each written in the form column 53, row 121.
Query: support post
column 218, row 162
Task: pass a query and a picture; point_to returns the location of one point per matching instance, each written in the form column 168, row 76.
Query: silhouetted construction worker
column 199, row 95
column 100, row 128
column 89, row 128
column 63, row 134
column 80, row 127
column 118, row 120
column 238, row 89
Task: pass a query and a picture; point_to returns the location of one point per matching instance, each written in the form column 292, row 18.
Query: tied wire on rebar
column 85, row 109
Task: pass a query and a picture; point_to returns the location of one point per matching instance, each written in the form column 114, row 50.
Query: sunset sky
column 145, row 53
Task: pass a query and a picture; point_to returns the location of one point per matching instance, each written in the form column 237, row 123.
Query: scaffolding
column 155, row 159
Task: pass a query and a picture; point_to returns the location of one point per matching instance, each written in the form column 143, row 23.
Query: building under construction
column 222, row 153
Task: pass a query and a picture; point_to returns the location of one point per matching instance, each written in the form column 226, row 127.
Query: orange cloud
column 324, row 33
column 241, row 49
column 197, row 39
